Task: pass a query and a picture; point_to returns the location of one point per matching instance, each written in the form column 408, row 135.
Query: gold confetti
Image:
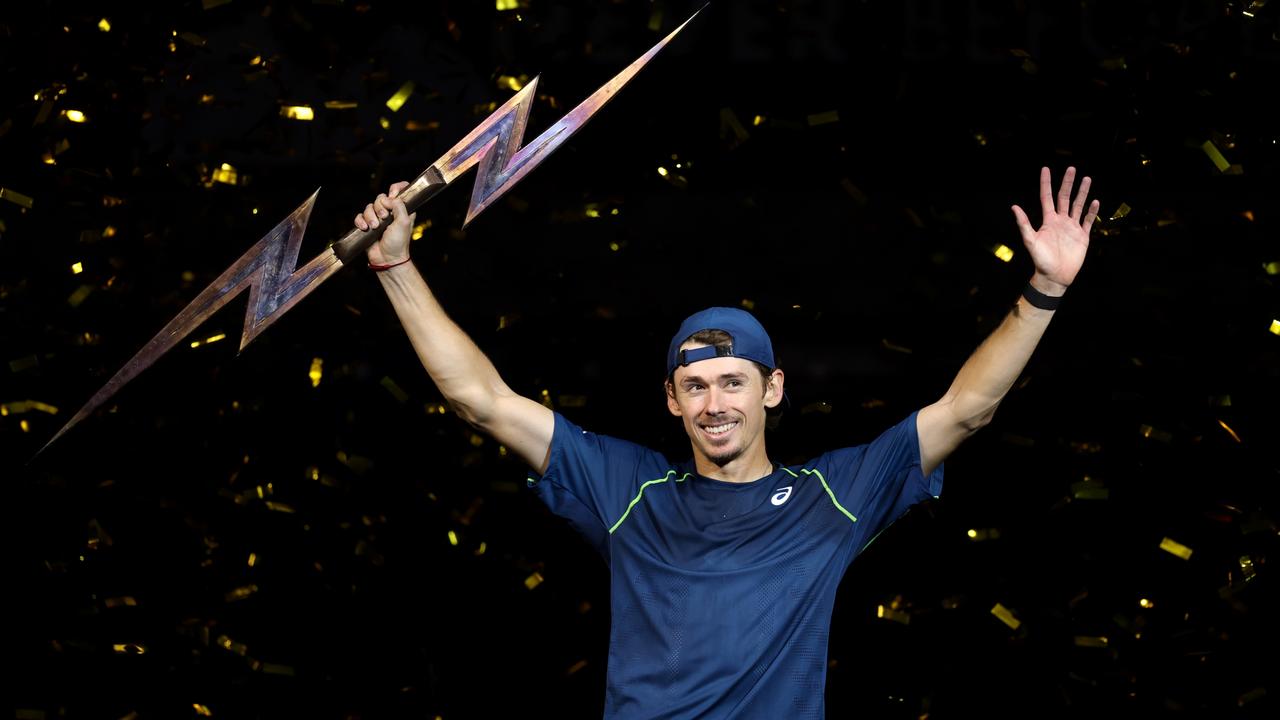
column 228, row 644
column 340, row 105
column 748, row 304
column 207, row 341
column 129, row 648
column 253, row 559
column 316, row 371
column 1174, row 547
column 1089, row 489
column 79, row 295
column 483, row 546
column 1247, row 568
column 1145, row 603
column 1229, row 430
column 240, row 593
column 892, row 613
column 125, row 601
column 23, row 406
column 1215, row 155
column 193, row 39
column 1275, row 327
column 210, row 4
column 279, row 507
column 225, row 174
column 512, row 82
column 824, row 118
column 981, row 534
column 77, row 268
column 576, row 667
column 1004, row 252
column 533, row 580
column 104, row 25
column 1148, row 431
column 505, row 5
column 385, row 123
column 571, row 401
column 202, row 710
column 74, row 116
column 1002, row 613
column 395, row 102
column 1091, row 641
column 297, row 112
column 277, row 669
column 396, row 391
column 16, row 198
column 1272, row 268
column 1121, row 211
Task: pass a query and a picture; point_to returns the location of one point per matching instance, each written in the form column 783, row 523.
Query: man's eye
column 734, row 383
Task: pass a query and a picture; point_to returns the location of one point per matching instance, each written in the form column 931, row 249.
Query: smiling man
column 724, row 567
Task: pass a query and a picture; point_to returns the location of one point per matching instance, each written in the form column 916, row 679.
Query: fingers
column 382, row 207
column 1024, row 226
column 400, row 213
column 1081, row 195
column 1046, row 193
column 1088, row 219
column 1064, row 190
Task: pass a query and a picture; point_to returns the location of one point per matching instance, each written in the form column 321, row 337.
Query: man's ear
column 672, row 405
column 773, row 390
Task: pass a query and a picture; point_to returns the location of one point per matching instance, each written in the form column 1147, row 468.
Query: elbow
column 481, row 406
column 972, row 416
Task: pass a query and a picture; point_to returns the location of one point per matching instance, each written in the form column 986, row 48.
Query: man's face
column 722, row 402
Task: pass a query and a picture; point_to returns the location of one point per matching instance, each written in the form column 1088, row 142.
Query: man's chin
column 724, row 457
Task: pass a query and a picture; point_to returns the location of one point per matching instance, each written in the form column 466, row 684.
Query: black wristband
column 1040, row 300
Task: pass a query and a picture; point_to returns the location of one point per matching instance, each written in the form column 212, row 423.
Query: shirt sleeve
column 878, row 482
column 591, row 478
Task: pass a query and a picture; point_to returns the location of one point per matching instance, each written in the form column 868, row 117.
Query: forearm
column 461, row 371
column 994, row 367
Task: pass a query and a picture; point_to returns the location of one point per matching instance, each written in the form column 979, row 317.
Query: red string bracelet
column 380, row 268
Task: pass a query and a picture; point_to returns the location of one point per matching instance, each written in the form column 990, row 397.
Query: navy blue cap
column 750, row 341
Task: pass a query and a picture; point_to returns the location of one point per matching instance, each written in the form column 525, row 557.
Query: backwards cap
column 750, row 341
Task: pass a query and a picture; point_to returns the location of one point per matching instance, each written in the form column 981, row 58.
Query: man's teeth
column 716, row 430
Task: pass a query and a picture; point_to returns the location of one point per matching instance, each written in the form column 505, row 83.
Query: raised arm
column 1057, row 249
column 466, row 378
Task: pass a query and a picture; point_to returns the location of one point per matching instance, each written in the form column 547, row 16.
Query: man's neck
column 743, row 469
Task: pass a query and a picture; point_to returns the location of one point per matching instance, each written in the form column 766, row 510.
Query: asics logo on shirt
column 780, row 495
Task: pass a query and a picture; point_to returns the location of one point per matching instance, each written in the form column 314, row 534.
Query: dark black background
column 864, row 245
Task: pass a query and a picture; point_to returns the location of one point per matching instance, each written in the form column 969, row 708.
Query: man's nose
column 715, row 401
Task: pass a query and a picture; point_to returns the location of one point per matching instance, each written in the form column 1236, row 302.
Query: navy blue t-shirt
column 721, row 593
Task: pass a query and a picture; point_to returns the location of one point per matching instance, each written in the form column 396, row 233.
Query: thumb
column 1024, row 226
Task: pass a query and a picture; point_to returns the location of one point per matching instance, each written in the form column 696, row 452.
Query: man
column 724, row 568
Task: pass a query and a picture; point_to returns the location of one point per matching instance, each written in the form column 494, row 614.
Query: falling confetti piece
column 16, row 198
column 824, row 118
column 397, row 101
column 1002, row 613
column 533, row 581
column 297, row 112
column 1215, row 155
column 1090, row 641
column 1174, row 547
